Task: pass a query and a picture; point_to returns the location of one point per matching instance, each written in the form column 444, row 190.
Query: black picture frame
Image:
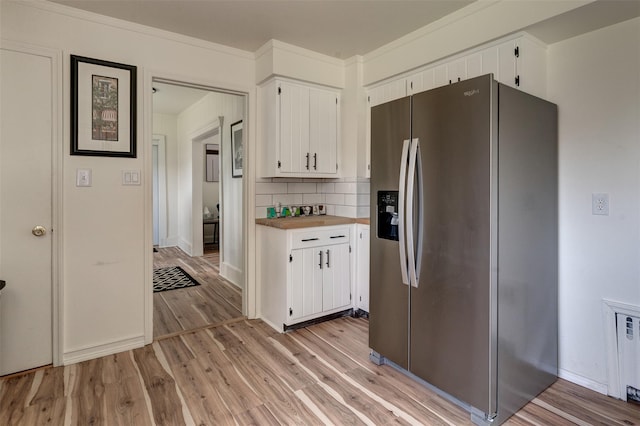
column 103, row 108
column 237, row 149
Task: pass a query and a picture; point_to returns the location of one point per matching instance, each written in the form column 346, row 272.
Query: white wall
column 197, row 116
column 595, row 80
column 106, row 229
column 167, row 125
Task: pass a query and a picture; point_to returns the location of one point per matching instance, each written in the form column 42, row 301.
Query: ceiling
column 173, row 99
column 339, row 28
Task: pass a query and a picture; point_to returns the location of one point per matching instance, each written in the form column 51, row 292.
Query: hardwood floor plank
column 246, row 373
column 214, row 302
column 13, row 398
column 332, row 411
column 259, row 415
column 164, row 320
column 165, row 403
column 286, row 369
column 49, row 412
column 220, row 372
column 87, row 392
column 125, row 404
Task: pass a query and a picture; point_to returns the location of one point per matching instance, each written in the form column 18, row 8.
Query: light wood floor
column 213, row 302
column 246, row 373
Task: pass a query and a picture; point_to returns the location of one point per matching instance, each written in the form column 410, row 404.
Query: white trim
column 136, row 28
column 443, row 22
column 57, row 153
column 582, row 381
column 281, row 45
column 231, row 274
column 185, row 246
column 97, row 351
column 248, row 189
column 160, row 142
column 197, row 137
column 609, row 310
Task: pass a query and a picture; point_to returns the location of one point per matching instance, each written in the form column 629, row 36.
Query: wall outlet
column 600, row 204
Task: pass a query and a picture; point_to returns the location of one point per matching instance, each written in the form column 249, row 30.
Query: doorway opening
column 196, row 201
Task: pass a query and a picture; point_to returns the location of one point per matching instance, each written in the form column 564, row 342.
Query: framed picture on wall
column 236, row 149
column 103, row 108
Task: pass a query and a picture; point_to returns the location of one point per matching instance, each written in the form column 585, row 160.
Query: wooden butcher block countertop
column 309, row 221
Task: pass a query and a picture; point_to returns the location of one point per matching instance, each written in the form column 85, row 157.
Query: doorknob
column 39, row 231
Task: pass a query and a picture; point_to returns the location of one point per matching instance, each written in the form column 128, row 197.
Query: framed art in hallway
column 103, row 108
column 236, row 149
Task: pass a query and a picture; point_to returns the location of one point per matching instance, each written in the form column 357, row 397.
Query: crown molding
column 132, row 27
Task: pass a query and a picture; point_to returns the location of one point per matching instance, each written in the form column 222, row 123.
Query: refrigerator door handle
column 411, row 181
column 401, row 210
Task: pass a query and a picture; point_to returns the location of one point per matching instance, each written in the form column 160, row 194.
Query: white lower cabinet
column 303, row 274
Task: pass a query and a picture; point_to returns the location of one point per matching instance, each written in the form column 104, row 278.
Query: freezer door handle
column 409, row 216
column 404, row 159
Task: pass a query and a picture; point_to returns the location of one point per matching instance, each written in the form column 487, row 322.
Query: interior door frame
column 250, row 290
column 160, row 142
column 57, row 155
column 212, row 128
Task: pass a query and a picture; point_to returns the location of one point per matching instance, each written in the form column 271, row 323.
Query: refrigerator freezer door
column 452, row 311
column 389, row 297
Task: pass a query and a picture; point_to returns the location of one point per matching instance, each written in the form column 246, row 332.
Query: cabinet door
column 336, row 282
column 294, row 128
column 507, row 63
column 457, row 70
column 323, row 131
column 420, row 82
column 305, row 288
column 362, row 265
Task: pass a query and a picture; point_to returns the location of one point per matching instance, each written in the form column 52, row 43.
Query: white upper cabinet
column 299, row 130
column 519, row 62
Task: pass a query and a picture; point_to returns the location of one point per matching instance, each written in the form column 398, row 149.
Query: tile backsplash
column 343, row 197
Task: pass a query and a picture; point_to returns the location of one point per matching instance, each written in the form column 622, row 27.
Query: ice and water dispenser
column 388, row 215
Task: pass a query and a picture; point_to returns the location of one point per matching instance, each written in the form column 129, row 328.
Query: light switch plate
column 131, row 177
column 83, row 177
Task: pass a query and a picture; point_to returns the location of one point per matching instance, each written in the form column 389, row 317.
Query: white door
column 25, row 203
column 336, row 279
column 294, row 128
column 323, row 131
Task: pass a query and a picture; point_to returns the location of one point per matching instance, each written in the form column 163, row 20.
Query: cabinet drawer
column 319, row 237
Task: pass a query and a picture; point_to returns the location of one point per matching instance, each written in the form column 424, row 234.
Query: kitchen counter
column 309, row 221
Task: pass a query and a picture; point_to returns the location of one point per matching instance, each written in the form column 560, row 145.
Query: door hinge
column 349, row 248
column 336, row 101
column 336, row 167
column 368, row 166
column 290, row 311
column 349, row 297
column 290, row 258
column 279, row 90
column 361, row 235
column 516, row 51
column 411, row 85
column 279, row 164
column 517, row 81
column 369, row 99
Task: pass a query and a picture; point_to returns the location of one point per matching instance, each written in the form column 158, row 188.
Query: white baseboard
column 185, row 246
column 169, row 242
column 98, row 351
column 583, row 381
column 231, row 274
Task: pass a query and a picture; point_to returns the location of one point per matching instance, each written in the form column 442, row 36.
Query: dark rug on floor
column 171, row 278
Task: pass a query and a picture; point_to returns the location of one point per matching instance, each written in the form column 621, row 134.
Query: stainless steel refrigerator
column 464, row 200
